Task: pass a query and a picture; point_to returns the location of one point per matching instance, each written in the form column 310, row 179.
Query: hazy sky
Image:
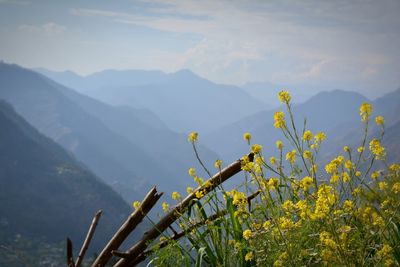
column 335, row 44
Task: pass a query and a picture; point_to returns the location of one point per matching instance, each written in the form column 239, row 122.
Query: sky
column 351, row 45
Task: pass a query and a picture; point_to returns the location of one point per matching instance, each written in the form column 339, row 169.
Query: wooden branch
column 88, row 238
column 70, row 257
column 181, row 234
column 176, row 212
column 130, row 224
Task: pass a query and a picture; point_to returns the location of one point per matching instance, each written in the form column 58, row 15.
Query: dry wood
column 181, row 234
column 130, row 224
column 88, row 238
column 176, row 212
column 70, row 257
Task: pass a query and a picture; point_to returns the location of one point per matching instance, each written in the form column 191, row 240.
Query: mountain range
column 130, row 149
column 183, row 100
column 45, row 193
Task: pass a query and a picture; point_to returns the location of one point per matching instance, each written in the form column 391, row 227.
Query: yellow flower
column 306, row 183
column 249, row 256
column 279, row 118
column 239, row 198
column 272, row 160
column 279, row 144
column 247, row 137
column 175, row 195
column 192, row 172
column 307, row 136
column 382, row 185
column 291, row 156
column 334, row 178
column 394, row 167
column 136, row 205
column 360, row 149
column 199, row 194
column 288, row 206
column 285, row 223
column 217, row 164
column 376, row 148
column 273, row 183
column 348, row 206
column 346, row 148
column 189, row 190
column 256, row 148
column 267, row 225
column 247, row 234
column 365, row 111
column 384, row 252
column 358, row 174
column 320, row 136
column 307, row 154
column 396, row 188
column 375, row 175
column 193, row 137
column 284, row 97
column 379, row 120
column 349, row 165
column 165, row 206
column 345, row 177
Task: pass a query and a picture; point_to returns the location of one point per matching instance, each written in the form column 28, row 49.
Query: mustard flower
column 199, row 194
column 284, row 97
column 320, row 136
column 247, row 137
column 306, row 183
column 375, row 175
column 365, row 111
column 279, row 144
column 307, row 136
column 379, row 120
column 247, row 234
column 307, row 154
column 273, row 183
column 192, row 172
column 189, row 190
column 279, row 118
column 136, row 205
column 256, row 148
column 165, row 206
column 267, row 225
column 217, row 164
column 175, row 195
column 291, row 156
column 396, row 188
column 376, row 148
column 193, row 136
column 249, row 256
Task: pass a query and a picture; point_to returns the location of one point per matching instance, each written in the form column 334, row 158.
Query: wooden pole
column 129, row 225
column 176, row 212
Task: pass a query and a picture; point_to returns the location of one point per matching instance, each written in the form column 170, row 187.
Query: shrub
column 345, row 214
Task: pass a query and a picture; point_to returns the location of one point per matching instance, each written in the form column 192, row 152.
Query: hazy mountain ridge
column 128, row 148
column 183, row 100
column 169, row 149
column 45, row 192
column 109, row 155
column 335, row 113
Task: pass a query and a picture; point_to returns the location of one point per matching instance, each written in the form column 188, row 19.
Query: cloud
column 50, row 28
